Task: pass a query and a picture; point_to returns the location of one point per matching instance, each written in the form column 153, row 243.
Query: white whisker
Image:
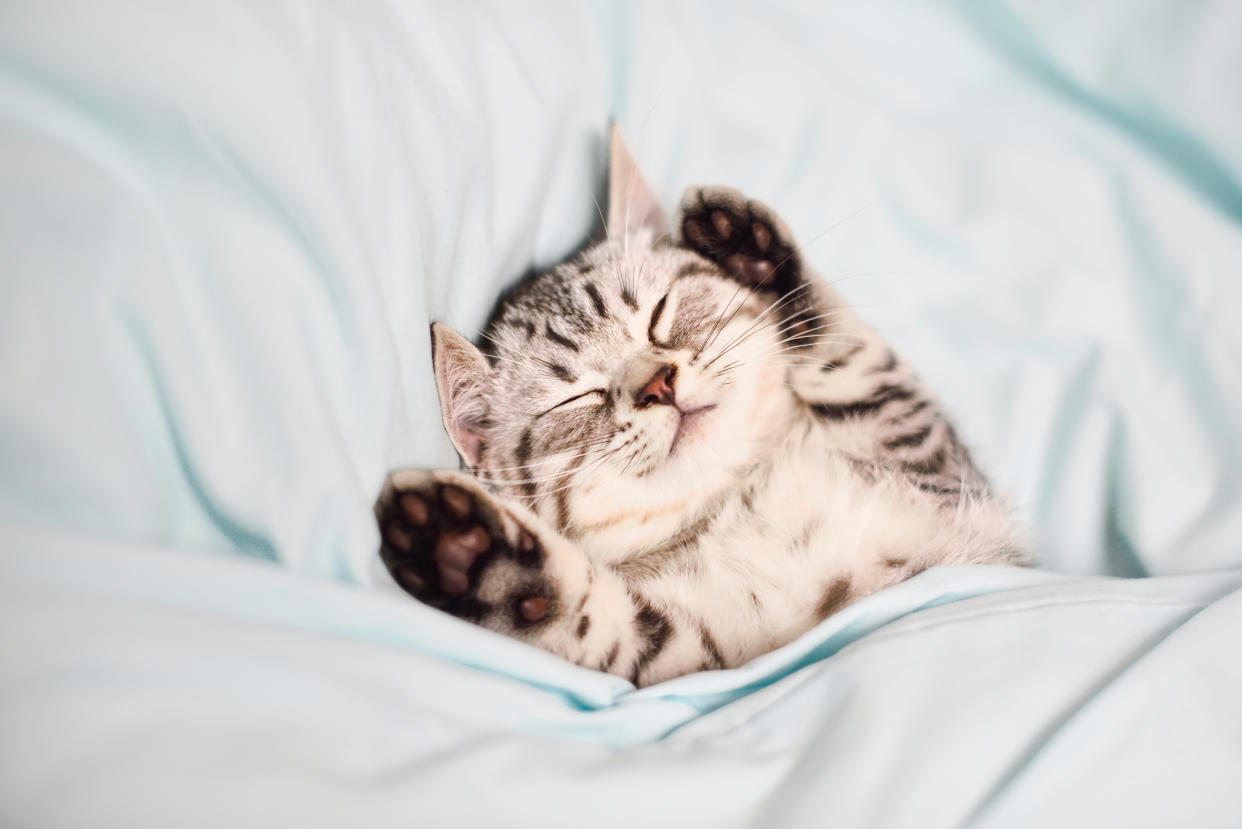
column 591, row 465
column 590, row 446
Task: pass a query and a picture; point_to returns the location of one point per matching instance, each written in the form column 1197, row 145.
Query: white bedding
column 224, row 229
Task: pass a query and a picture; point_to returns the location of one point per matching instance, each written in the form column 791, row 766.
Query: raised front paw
column 449, row 544
column 744, row 237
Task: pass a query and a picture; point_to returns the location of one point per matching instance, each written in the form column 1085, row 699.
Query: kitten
column 680, row 453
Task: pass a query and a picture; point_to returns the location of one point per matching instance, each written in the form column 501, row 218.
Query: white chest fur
column 804, row 533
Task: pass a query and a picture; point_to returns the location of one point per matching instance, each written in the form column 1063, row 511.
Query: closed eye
column 655, row 320
column 603, row 394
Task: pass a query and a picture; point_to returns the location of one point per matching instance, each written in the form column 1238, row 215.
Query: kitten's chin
column 691, row 430
column 710, row 445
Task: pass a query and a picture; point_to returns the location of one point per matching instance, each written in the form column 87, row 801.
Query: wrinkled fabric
column 225, row 228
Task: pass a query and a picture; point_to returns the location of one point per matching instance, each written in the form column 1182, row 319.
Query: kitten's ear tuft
column 631, row 204
column 462, row 378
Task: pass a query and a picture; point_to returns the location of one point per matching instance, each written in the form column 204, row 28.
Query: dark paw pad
column 743, row 237
column 449, row 547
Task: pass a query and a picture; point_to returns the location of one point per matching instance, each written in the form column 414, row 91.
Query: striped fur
column 801, row 467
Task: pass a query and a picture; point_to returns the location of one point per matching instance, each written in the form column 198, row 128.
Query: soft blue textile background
column 224, row 228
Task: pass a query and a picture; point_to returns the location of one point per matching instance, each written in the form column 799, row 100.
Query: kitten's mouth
column 688, row 426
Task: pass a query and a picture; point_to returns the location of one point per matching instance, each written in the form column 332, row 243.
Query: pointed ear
column 631, row 204
column 462, row 375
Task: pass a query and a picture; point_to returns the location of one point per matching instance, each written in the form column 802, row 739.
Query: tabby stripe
column 649, row 563
column 528, row 486
column 834, row 598
column 865, row 469
column 884, row 395
column 558, row 338
column 627, row 296
column 889, row 364
column 695, row 269
column 935, row 489
column 598, row 301
column 611, row 657
column 842, row 361
column 910, row 440
column 525, row 449
column 562, row 497
column 574, row 313
column 931, row 465
column 911, row 412
column 561, row 373
column 656, row 629
column 714, row 659
column 690, row 533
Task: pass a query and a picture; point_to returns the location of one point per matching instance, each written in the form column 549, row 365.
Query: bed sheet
column 151, row 687
column 225, row 227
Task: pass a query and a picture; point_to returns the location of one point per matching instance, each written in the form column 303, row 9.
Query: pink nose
column 659, row 389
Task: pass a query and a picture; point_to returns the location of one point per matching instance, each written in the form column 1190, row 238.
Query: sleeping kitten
column 680, row 453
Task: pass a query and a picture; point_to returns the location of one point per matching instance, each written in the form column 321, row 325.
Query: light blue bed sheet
column 225, row 227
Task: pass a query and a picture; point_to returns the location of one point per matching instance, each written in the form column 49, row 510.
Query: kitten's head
column 638, row 372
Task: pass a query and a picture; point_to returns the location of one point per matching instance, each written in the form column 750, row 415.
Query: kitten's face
column 636, row 374
column 624, row 366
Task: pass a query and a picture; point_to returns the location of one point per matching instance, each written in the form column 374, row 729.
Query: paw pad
column 533, row 608
column 751, row 245
column 743, row 237
column 441, row 540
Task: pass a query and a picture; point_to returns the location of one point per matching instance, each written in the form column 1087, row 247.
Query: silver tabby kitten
column 681, row 453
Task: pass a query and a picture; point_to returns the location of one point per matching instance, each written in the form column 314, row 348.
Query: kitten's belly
column 815, row 539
